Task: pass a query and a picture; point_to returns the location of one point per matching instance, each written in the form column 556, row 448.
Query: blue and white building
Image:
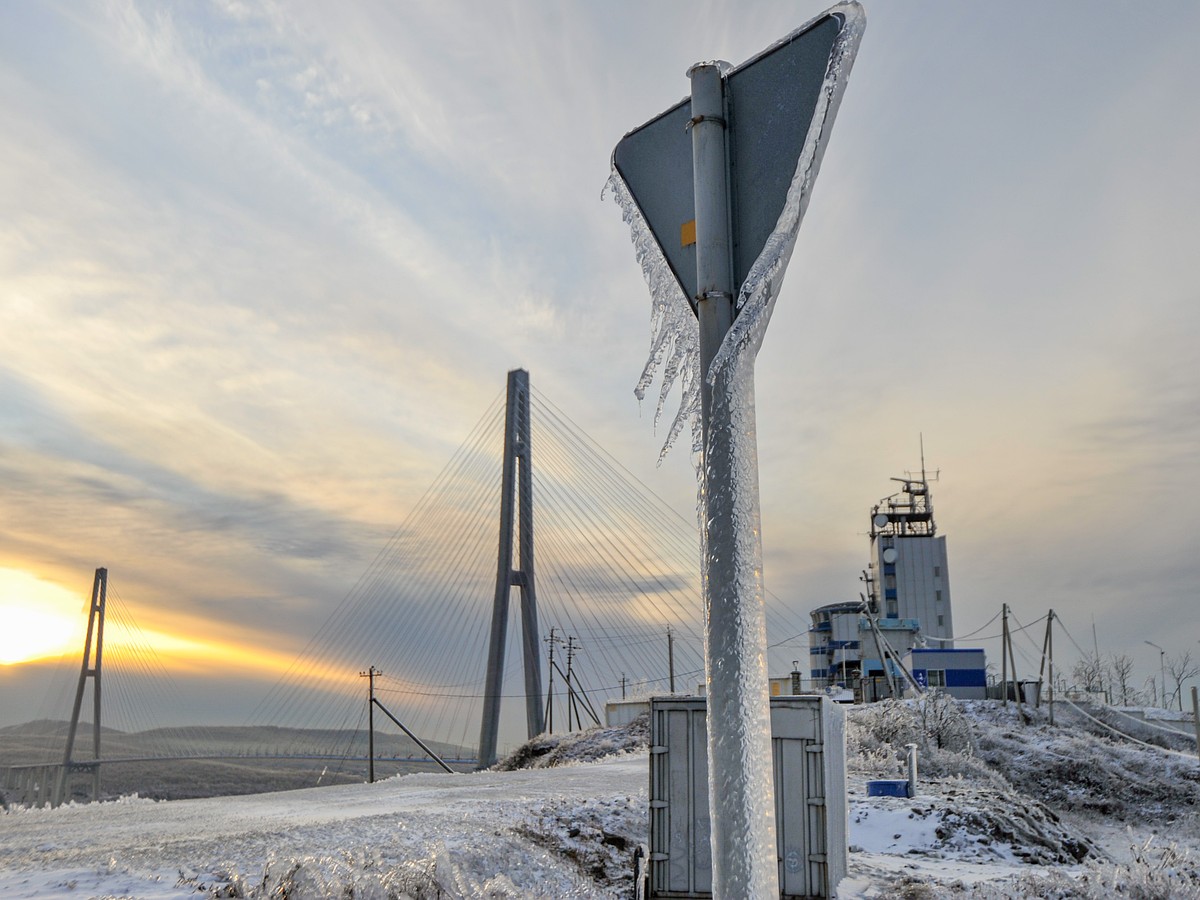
column 961, row 673
column 907, row 594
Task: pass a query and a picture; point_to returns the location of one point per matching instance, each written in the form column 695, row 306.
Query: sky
column 263, row 266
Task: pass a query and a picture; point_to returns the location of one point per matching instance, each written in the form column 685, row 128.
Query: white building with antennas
column 906, row 604
column 909, row 578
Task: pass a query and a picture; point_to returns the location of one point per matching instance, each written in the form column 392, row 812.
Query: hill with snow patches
column 1098, row 806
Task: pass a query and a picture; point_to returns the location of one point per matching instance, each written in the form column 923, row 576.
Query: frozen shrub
column 943, row 724
column 548, row 750
column 934, row 722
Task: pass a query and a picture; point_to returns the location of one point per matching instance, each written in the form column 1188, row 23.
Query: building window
column 941, row 621
column 937, row 595
column 893, row 611
column 936, row 678
column 937, row 571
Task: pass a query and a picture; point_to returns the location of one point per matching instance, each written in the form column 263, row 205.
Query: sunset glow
column 40, row 618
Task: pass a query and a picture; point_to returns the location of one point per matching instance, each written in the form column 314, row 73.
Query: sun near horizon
column 41, row 619
column 44, row 621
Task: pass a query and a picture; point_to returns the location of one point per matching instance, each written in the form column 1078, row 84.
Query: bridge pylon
column 91, row 668
column 516, row 497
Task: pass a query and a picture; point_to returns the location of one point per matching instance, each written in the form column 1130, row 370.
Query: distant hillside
column 244, row 765
column 207, row 740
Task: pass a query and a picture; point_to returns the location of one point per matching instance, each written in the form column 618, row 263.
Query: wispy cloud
column 262, row 265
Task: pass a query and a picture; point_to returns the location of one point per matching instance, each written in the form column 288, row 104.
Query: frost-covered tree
column 943, row 721
column 1121, row 667
column 1181, row 668
column 1090, row 671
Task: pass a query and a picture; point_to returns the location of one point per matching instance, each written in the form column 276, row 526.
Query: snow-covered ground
column 493, row 834
column 1005, row 808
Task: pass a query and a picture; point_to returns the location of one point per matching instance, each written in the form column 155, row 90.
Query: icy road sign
column 772, row 105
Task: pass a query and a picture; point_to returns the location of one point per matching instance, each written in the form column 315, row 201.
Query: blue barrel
column 888, row 787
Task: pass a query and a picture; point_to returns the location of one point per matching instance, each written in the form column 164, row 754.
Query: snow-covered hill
column 1005, row 808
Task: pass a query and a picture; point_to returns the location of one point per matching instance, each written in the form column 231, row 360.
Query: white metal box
column 808, row 740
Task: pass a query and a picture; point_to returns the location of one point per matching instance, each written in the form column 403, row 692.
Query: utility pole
column 570, row 683
column 550, row 642
column 671, row 657
column 1012, row 660
column 1048, row 653
column 370, row 675
column 1004, row 653
column 1050, row 643
column 1196, row 717
column 622, row 685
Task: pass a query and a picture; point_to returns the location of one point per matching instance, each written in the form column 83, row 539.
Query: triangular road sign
column 771, row 103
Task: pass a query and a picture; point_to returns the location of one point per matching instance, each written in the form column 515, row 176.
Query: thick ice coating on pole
column 674, row 334
column 758, row 293
column 740, row 771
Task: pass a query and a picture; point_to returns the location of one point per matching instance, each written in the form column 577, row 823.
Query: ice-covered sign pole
column 714, row 190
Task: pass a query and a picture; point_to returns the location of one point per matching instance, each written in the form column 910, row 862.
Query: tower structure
column 911, row 577
column 516, row 512
column 91, row 668
column 906, row 596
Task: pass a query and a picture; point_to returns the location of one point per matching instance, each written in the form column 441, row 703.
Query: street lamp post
column 1162, row 672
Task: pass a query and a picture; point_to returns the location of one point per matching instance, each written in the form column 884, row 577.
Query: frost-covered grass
column 1001, row 782
column 549, row 750
column 1080, row 767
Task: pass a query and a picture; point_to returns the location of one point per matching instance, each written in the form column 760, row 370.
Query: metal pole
column 741, row 781
column 671, row 658
column 912, row 769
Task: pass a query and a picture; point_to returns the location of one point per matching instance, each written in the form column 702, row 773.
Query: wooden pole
column 1196, row 718
column 1004, row 653
column 1050, row 643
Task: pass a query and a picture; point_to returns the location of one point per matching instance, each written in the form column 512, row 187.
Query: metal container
column 808, row 741
column 888, row 787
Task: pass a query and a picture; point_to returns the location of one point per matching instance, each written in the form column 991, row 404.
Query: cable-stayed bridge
column 613, row 570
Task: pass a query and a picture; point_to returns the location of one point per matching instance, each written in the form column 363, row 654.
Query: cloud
column 262, row 265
